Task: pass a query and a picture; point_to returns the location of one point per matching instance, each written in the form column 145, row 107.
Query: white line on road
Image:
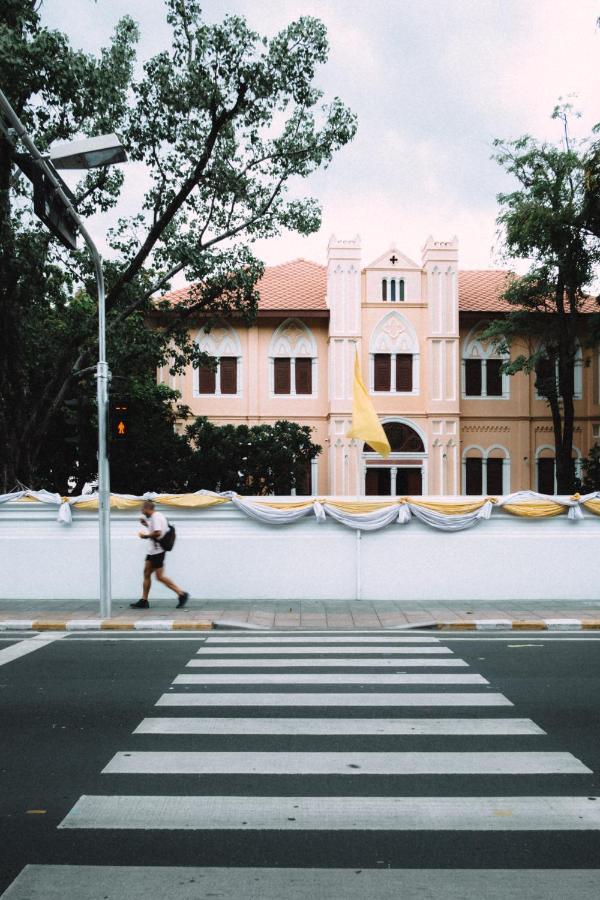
column 330, row 678
column 377, row 662
column 9, row 654
column 327, row 726
column 156, row 762
column 388, row 699
column 327, row 639
column 184, row 882
column 218, row 813
column 315, row 651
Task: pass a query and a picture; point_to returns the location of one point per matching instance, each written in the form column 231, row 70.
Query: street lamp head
column 104, row 150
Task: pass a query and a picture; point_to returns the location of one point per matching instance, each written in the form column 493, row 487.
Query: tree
column 590, row 471
column 257, row 459
column 544, row 220
column 221, row 122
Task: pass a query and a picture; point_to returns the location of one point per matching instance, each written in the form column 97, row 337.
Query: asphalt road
column 69, row 709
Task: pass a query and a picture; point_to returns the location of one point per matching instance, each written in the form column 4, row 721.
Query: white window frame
column 285, row 352
column 485, row 455
column 227, row 346
column 217, row 391
column 393, row 392
column 577, row 377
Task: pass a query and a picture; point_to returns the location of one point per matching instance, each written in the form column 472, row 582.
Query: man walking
column 156, row 526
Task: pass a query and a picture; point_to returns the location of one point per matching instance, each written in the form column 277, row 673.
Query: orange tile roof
column 301, row 285
column 479, row 290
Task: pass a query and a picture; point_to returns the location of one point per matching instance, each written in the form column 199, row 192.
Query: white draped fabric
column 364, row 514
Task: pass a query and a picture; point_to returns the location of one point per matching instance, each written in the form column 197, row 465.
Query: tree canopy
column 218, row 125
column 545, row 221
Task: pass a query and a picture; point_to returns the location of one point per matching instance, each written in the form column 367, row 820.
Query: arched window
column 293, row 360
column 224, row 379
column 384, row 289
column 404, row 471
column 401, row 290
column 394, row 356
column 544, row 371
column 393, row 290
column 402, row 438
column 545, row 468
column 486, row 471
column 482, row 369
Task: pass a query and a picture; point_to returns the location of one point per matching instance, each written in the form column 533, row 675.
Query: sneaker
column 141, row 604
column 183, row 599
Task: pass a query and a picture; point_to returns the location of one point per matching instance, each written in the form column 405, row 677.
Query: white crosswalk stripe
column 388, row 699
column 331, row 678
column 430, row 725
column 325, row 726
column 337, row 813
column 376, row 662
column 344, row 763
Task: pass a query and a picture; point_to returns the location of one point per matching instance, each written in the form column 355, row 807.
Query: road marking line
column 377, row 662
column 214, row 813
column 326, row 726
column 388, row 699
column 156, row 762
column 317, row 651
column 57, row 882
column 310, row 639
column 28, row 645
column 330, row 678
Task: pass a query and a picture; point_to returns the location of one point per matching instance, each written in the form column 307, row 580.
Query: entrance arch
column 405, row 469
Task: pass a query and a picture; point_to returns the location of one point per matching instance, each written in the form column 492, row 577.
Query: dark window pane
column 378, row 482
column 494, row 476
column 404, row 370
column 474, row 472
column 570, row 377
column 303, row 482
column 282, row 379
column 493, row 379
column 384, row 289
column 473, row 377
column 304, row 376
column 207, row 380
column 401, row 297
column 409, row 482
column 228, row 370
column 545, row 377
column 545, row 476
column 393, row 289
column 402, row 438
column 383, row 371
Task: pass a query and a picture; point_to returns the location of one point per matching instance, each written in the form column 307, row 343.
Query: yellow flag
column 365, row 423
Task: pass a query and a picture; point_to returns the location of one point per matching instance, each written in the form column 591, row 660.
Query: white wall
column 220, row 554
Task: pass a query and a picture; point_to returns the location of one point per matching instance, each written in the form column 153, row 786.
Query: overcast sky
column 433, row 82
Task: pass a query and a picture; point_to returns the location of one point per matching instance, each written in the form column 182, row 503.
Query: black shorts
column 156, row 560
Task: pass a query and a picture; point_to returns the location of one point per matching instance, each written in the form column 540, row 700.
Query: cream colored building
column 455, row 423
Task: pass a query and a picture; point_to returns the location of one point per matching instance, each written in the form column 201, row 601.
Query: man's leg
column 160, row 574
column 147, row 579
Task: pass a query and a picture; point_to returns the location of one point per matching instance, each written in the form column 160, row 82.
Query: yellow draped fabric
column 593, row 506
column 537, row 510
column 365, row 422
column 193, row 501
column 273, row 504
column 358, row 507
column 449, row 509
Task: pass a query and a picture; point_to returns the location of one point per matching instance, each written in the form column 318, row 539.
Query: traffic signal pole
column 102, row 371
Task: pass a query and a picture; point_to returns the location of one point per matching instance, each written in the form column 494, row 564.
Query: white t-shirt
column 157, row 522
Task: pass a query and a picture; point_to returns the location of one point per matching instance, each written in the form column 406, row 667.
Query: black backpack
column 167, row 541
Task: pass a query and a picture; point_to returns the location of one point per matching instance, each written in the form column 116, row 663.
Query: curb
column 155, row 625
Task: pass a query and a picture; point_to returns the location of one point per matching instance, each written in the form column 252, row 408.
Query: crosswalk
column 336, row 733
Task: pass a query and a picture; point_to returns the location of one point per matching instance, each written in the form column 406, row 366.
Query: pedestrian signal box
column 120, row 427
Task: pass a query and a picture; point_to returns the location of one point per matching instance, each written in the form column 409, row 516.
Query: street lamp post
column 100, row 151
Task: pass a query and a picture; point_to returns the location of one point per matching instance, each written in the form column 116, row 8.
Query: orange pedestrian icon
column 121, row 427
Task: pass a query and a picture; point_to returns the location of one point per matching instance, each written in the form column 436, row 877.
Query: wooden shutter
column 545, row 476
column 303, row 375
column 404, row 371
column 473, row 377
column 383, row 371
column 494, row 476
column 228, row 371
column 493, row 378
column 281, row 375
column 474, row 472
column 207, row 380
column 545, row 376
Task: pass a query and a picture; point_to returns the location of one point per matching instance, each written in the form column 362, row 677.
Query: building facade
column 456, row 424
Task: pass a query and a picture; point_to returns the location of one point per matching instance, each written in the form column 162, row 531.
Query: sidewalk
column 76, row 615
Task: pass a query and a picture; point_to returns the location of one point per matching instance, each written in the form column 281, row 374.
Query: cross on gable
column 393, row 259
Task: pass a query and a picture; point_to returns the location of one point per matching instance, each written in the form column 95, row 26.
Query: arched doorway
column 403, row 472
